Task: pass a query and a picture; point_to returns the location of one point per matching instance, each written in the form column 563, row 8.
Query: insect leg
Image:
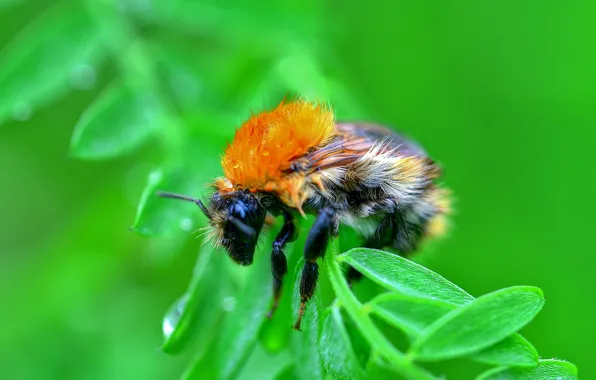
column 408, row 234
column 279, row 264
column 316, row 243
column 394, row 230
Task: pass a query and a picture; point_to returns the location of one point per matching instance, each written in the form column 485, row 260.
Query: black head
column 241, row 219
column 235, row 219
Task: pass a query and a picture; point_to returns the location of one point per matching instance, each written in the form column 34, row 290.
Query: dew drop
column 236, row 165
column 83, row 77
column 172, row 318
column 229, row 304
column 266, row 153
column 22, row 112
column 185, row 224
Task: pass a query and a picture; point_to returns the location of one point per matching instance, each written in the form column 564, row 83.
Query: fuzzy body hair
column 393, row 174
column 363, row 171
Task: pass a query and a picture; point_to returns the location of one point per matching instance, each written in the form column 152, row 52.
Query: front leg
column 279, row 264
column 316, row 243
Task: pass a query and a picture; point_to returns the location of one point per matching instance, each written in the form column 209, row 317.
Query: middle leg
column 279, row 264
column 316, row 244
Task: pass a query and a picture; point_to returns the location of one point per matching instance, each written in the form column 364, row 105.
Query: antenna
column 198, row 202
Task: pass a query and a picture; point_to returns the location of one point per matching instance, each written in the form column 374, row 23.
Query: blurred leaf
column 240, row 330
column 413, row 315
column 304, row 346
column 53, row 54
column 404, row 276
column 286, row 373
column 120, row 120
column 479, row 324
column 512, row 351
column 196, row 315
column 189, row 172
column 550, row 369
column 336, row 349
column 203, row 366
column 285, row 21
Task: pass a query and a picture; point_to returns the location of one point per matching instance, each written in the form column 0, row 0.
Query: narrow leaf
column 239, row 332
column 410, row 314
column 413, row 315
column 336, row 349
column 513, row 351
column 196, row 315
column 53, row 54
column 550, row 369
column 120, row 120
column 404, row 276
column 479, row 324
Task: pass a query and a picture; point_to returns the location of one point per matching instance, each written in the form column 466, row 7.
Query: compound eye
column 239, row 210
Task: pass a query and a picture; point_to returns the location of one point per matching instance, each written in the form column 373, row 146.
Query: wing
column 352, row 141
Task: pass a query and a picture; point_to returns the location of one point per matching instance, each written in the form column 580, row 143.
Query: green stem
column 369, row 331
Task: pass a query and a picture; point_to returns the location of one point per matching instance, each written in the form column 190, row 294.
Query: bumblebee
column 297, row 160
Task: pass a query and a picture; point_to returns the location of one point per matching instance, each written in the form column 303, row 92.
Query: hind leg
column 396, row 231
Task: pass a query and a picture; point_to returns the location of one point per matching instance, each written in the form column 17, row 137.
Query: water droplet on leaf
column 172, row 318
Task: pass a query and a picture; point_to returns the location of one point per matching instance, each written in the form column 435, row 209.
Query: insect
column 297, row 160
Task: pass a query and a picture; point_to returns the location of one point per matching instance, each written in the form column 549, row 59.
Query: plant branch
column 369, row 331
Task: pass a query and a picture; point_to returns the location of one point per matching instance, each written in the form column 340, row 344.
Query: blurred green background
column 501, row 93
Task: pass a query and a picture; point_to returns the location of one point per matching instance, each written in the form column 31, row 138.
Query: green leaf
column 53, row 54
column 120, row 120
column 157, row 216
column 358, row 314
column 514, row 351
column 550, row 369
column 336, row 349
column 404, row 276
column 304, row 343
column 410, row 314
column 377, row 368
column 240, row 330
column 479, row 324
column 359, row 343
column 413, row 315
column 196, row 314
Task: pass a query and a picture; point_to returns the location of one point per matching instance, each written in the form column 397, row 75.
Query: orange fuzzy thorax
column 268, row 142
